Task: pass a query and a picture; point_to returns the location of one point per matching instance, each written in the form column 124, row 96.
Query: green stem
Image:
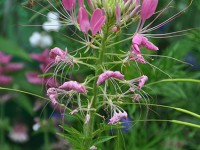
column 2, row 140
column 46, row 135
column 88, row 128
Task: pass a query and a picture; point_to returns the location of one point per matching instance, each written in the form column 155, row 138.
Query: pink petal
column 33, row 77
column 96, row 16
column 4, row 80
column 148, row 8
column 69, row 4
column 147, row 44
column 5, row 58
column 43, row 57
column 137, row 39
column 118, row 14
column 81, row 3
column 98, row 25
column 13, row 67
column 83, row 20
column 56, row 52
column 73, row 85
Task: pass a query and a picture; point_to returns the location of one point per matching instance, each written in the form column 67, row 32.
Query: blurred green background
column 19, row 111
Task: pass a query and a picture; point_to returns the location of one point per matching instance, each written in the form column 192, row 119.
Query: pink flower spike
column 142, row 81
column 148, row 9
column 73, row 85
column 97, row 21
column 69, row 4
column 118, row 15
column 83, row 20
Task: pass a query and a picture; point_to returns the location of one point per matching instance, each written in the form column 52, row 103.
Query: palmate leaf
column 12, row 48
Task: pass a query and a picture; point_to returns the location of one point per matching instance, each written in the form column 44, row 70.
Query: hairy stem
column 89, row 128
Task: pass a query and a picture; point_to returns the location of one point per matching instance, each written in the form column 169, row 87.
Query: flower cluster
column 100, row 23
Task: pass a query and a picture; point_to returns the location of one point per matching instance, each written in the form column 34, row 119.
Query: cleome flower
column 117, row 116
column 109, row 74
column 73, row 85
column 58, row 55
column 141, row 81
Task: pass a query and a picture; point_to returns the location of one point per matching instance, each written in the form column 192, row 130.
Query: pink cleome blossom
column 117, row 117
column 109, row 74
column 73, row 85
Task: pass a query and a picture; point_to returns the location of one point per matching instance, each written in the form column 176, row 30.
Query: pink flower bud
column 148, row 9
column 147, row 44
column 118, row 15
column 52, row 93
column 137, row 57
column 83, row 20
column 142, row 81
column 109, row 74
column 136, row 97
column 73, row 85
column 57, row 52
column 69, row 4
column 97, row 21
column 73, row 112
column 87, row 118
column 90, row 4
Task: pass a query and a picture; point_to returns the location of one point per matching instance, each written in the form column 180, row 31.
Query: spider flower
column 117, row 116
column 73, row 85
column 109, row 74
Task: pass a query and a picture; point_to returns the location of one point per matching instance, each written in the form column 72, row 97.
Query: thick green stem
column 89, row 128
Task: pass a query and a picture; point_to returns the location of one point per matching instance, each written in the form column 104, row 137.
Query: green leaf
column 12, row 48
column 103, row 139
column 104, row 127
column 73, row 141
column 25, row 103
